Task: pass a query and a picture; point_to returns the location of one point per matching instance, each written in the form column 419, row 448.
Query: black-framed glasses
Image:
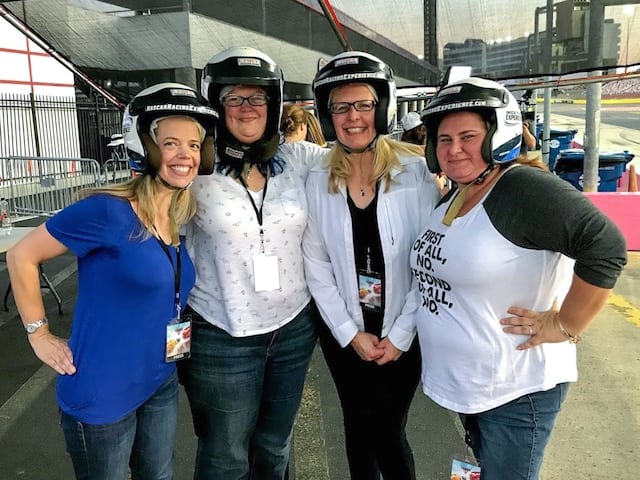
column 257, row 100
column 339, row 108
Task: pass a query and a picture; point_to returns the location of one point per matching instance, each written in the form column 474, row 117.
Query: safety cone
column 633, row 179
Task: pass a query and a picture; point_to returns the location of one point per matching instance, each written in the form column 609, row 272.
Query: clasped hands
column 371, row 349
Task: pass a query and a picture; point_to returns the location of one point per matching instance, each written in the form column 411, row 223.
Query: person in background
column 413, row 131
column 299, row 124
column 117, row 388
column 513, row 266
column 254, row 327
column 529, row 141
column 367, row 202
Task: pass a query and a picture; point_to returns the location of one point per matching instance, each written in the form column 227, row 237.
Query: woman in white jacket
column 366, row 205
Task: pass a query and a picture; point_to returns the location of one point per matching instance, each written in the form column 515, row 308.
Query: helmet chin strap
column 484, row 174
column 458, row 201
column 166, row 184
column 370, row 146
column 480, row 178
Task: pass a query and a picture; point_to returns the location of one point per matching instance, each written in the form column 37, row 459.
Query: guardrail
column 45, row 185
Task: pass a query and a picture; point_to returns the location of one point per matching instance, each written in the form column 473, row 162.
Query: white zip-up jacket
column 329, row 251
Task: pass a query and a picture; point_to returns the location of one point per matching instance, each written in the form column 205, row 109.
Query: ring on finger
column 530, row 331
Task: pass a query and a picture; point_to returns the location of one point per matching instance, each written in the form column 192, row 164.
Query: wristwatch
column 32, row 327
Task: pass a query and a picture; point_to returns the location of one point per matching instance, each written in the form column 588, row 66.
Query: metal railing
column 45, row 185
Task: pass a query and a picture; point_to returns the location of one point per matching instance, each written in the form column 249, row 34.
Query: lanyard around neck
column 253, row 203
column 176, row 271
column 255, row 207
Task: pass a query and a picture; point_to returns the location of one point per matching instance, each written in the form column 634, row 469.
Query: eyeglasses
column 257, row 100
column 338, row 108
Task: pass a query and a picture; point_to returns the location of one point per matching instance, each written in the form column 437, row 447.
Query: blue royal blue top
column 125, row 300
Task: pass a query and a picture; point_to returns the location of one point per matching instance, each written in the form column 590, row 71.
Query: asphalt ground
column 597, row 435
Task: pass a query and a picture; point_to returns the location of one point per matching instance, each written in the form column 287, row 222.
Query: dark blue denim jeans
column 143, row 441
column 509, row 441
column 244, row 394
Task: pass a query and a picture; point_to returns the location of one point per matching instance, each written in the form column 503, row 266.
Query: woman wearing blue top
column 117, row 387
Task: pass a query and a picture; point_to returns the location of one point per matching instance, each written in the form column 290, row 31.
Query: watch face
column 32, row 327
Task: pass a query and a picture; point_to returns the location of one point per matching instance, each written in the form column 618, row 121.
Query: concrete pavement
column 597, row 434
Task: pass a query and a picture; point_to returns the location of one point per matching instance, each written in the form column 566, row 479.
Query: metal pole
column 548, row 69
column 593, row 97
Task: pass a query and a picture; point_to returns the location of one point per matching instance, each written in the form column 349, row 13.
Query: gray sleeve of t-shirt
column 535, row 209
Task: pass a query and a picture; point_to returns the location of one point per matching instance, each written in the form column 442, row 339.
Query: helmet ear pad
column 487, row 144
column 382, row 108
column 207, row 156
column 154, row 157
column 430, row 155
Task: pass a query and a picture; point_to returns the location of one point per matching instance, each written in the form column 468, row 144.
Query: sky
column 462, row 19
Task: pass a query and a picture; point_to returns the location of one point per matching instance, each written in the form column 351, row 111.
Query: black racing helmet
column 356, row 67
column 498, row 108
column 251, row 67
column 161, row 100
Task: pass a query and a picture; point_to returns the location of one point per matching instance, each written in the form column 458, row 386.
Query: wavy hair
column 385, row 158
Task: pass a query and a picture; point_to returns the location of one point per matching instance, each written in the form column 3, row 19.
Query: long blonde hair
column 385, row 159
column 143, row 190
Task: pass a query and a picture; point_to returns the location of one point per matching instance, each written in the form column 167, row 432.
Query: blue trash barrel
column 558, row 140
column 611, row 166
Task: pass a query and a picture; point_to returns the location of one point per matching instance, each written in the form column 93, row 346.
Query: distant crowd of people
column 628, row 87
column 449, row 259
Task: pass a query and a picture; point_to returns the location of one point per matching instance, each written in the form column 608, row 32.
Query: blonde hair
column 143, row 190
column 385, row 159
column 314, row 131
column 534, row 161
column 294, row 116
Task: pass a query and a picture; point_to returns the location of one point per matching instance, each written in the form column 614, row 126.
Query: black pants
column 375, row 404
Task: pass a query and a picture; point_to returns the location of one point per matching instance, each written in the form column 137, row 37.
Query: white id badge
column 265, row 272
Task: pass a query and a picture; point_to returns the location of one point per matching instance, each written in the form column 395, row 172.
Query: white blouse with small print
column 224, row 235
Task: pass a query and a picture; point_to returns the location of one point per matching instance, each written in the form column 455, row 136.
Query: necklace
column 362, row 184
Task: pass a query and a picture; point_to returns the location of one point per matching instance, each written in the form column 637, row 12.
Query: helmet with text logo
column 244, row 66
column 497, row 106
column 356, row 67
column 154, row 103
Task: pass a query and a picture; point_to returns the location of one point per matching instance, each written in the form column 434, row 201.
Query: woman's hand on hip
column 541, row 327
column 53, row 351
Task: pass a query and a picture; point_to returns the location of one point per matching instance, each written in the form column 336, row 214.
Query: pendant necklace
column 362, row 193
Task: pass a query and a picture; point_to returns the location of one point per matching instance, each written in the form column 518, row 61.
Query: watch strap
column 32, row 327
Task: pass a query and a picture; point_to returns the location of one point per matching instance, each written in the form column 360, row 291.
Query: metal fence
column 48, row 126
column 45, row 185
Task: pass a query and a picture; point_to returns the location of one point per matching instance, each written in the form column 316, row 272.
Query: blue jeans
column 244, row 394
column 142, row 440
column 509, row 441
